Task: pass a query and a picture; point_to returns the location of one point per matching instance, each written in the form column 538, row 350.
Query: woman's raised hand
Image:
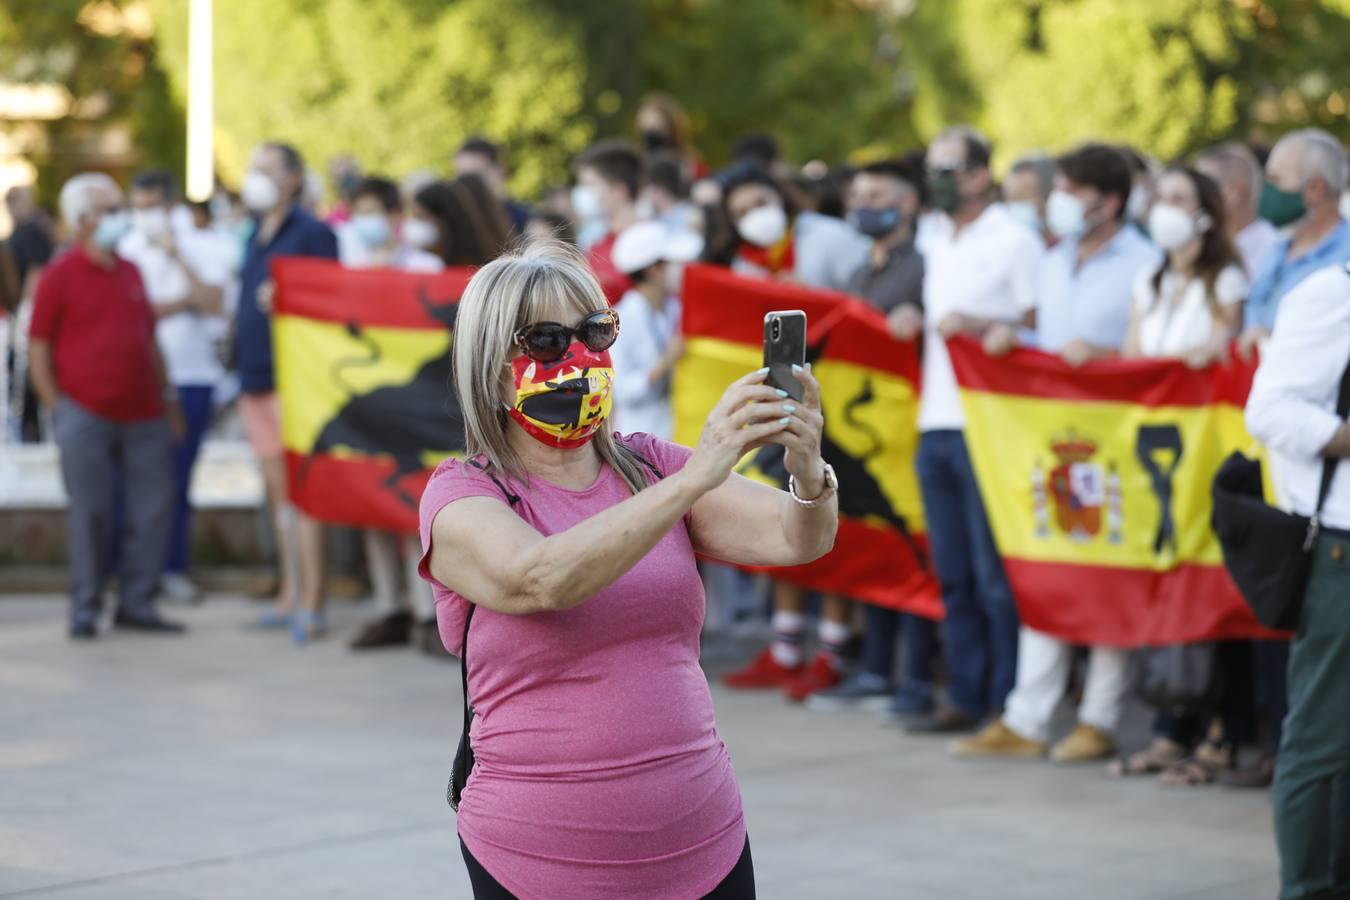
column 749, row 415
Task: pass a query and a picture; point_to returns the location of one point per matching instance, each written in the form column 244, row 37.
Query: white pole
column 200, row 111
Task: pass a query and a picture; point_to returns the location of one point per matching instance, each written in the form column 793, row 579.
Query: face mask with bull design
column 563, row 404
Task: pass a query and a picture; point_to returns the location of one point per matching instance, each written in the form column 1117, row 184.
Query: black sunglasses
column 546, row 342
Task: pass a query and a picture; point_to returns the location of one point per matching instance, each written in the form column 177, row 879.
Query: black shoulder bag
column 463, row 764
column 1267, row 551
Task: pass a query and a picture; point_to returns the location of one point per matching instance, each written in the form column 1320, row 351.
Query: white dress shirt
column 186, row 339
column 644, row 335
column 1177, row 318
column 1292, row 406
column 987, row 269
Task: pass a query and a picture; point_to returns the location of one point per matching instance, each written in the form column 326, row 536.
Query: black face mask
column 943, row 191
column 653, row 140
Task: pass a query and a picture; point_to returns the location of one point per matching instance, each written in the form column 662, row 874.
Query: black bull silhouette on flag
column 860, row 496
column 363, row 373
column 402, row 421
column 367, row 459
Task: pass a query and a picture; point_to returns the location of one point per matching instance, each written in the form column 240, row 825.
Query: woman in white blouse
column 1190, row 307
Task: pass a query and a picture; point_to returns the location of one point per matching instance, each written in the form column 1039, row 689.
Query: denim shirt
column 1278, row 275
column 299, row 235
column 1090, row 302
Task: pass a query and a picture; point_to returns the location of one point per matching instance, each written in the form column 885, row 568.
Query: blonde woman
column 599, row 771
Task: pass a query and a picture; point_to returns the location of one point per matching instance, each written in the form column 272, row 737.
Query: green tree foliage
column 111, row 75
column 398, row 83
column 822, row 75
column 1168, row 76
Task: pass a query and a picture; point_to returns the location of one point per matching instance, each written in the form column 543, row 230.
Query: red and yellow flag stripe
column 869, row 398
column 1096, row 481
column 362, row 362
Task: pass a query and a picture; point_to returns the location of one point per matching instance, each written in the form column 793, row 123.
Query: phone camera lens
column 777, row 328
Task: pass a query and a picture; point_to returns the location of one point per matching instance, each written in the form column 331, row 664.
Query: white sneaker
column 178, row 588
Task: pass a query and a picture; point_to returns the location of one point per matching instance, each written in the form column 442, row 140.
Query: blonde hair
column 530, row 282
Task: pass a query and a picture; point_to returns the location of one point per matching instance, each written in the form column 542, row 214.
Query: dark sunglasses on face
column 547, row 342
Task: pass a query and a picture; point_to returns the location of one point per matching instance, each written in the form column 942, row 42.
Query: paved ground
column 230, row 765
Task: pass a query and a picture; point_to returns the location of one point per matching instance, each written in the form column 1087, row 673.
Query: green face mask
column 943, row 191
column 1280, row 207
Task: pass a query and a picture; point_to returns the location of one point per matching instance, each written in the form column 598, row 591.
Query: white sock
column 787, row 638
column 834, row 637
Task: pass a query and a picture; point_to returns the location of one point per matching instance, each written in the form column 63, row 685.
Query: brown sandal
column 1200, row 769
column 1153, row 759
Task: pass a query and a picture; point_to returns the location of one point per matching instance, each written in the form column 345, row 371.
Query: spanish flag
column 363, row 371
column 869, row 387
column 1097, row 486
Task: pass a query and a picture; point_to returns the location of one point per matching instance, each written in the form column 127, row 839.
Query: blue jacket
column 299, row 235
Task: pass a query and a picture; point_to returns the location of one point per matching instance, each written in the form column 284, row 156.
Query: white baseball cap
column 647, row 243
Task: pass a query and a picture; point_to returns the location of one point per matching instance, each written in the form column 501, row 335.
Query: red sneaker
column 763, row 672
column 820, row 675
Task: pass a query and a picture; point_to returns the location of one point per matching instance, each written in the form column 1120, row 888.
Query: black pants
column 738, row 885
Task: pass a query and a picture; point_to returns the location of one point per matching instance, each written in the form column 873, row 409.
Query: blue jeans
column 920, row 644
column 981, row 624
column 195, row 401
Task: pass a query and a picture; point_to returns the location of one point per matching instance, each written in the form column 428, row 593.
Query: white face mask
column 1173, row 228
column 1065, row 214
column 763, row 226
column 585, row 203
column 259, row 193
column 153, row 223
column 111, row 228
column 1026, row 213
column 420, row 233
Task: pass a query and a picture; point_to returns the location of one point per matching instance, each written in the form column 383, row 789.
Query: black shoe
column 148, row 624
column 83, row 632
column 391, row 631
column 944, row 721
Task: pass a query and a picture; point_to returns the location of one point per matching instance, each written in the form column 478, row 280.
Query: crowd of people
column 159, row 313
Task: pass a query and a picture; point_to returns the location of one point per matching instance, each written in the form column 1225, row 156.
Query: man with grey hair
column 1235, row 169
column 1293, row 409
column 1026, row 189
column 95, row 366
column 1306, row 171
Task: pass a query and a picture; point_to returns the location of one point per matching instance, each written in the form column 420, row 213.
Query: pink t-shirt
column 599, row 771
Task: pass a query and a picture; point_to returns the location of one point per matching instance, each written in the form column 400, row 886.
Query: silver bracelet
column 831, row 487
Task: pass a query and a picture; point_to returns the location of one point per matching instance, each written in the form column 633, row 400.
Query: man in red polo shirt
column 96, row 368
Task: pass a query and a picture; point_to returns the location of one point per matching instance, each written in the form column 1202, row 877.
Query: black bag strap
column 511, row 500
